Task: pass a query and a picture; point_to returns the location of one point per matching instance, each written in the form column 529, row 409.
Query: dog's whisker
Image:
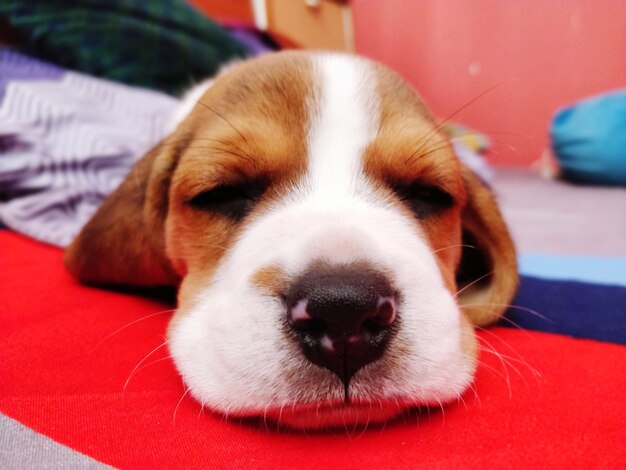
column 382, row 428
column 475, row 281
column 142, row 361
column 280, row 413
column 206, row 106
column 520, row 359
column 357, row 424
column 467, row 104
column 505, row 343
column 488, row 347
column 426, row 140
column 497, row 142
column 423, row 141
column 513, row 306
column 443, row 414
column 428, row 411
column 490, row 368
column 265, row 411
column 526, row 333
column 367, row 422
column 515, row 325
column 179, row 402
column 395, row 400
column 491, row 349
column 249, row 157
column 454, row 246
column 154, row 362
column 522, row 362
column 163, row 312
column 431, row 150
column 425, row 149
column 224, row 416
column 345, row 426
column 293, row 407
column 472, row 387
column 487, row 366
column 501, row 318
column 201, row 412
column 460, row 398
column 445, row 120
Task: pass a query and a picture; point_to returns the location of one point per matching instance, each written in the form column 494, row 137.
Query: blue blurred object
column 589, row 139
column 577, row 309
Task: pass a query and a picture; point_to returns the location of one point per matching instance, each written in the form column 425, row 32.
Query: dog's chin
column 329, row 416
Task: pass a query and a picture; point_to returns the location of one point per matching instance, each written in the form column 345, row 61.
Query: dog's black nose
column 342, row 316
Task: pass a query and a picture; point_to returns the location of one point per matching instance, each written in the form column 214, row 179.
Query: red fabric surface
column 63, row 368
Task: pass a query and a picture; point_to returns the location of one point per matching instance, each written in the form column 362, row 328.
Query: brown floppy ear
column 124, row 242
column 487, row 274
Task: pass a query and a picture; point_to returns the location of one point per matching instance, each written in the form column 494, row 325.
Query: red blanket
column 74, row 367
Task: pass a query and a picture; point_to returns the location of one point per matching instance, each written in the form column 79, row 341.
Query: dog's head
column 332, row 252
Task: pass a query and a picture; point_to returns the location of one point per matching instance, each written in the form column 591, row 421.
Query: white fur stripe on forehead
column 344, row 120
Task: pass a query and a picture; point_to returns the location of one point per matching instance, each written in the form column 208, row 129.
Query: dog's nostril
column 300, row 320
column 381, row 316
column 342, row 316
column 384, row 315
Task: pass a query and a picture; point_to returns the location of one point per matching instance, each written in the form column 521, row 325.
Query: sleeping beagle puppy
column 332, row 253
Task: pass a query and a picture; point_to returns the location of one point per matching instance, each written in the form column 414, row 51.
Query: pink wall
column 540, row 54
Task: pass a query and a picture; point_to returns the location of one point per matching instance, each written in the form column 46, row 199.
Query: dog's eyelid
column 251, row 187
column 231, row 200
column 422, row 187
column 424, row 199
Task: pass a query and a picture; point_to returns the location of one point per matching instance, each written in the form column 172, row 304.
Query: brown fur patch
column 251, row 124
column 410, row 147
column 245, row 130
column 123, row 244
column 484, row 302
column 271, row 280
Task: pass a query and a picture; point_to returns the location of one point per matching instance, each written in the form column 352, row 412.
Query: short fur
column 331, row 136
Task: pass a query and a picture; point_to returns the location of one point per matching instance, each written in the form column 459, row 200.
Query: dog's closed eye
column 232, row 201
column 424, row 200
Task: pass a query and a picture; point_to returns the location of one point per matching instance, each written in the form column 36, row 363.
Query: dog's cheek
column 189, row 292
column 226, row 344
column 196, row 241
column 186, row 338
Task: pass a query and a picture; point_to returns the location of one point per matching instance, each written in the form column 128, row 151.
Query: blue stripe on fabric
column 572, row 308
column 597, row 270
